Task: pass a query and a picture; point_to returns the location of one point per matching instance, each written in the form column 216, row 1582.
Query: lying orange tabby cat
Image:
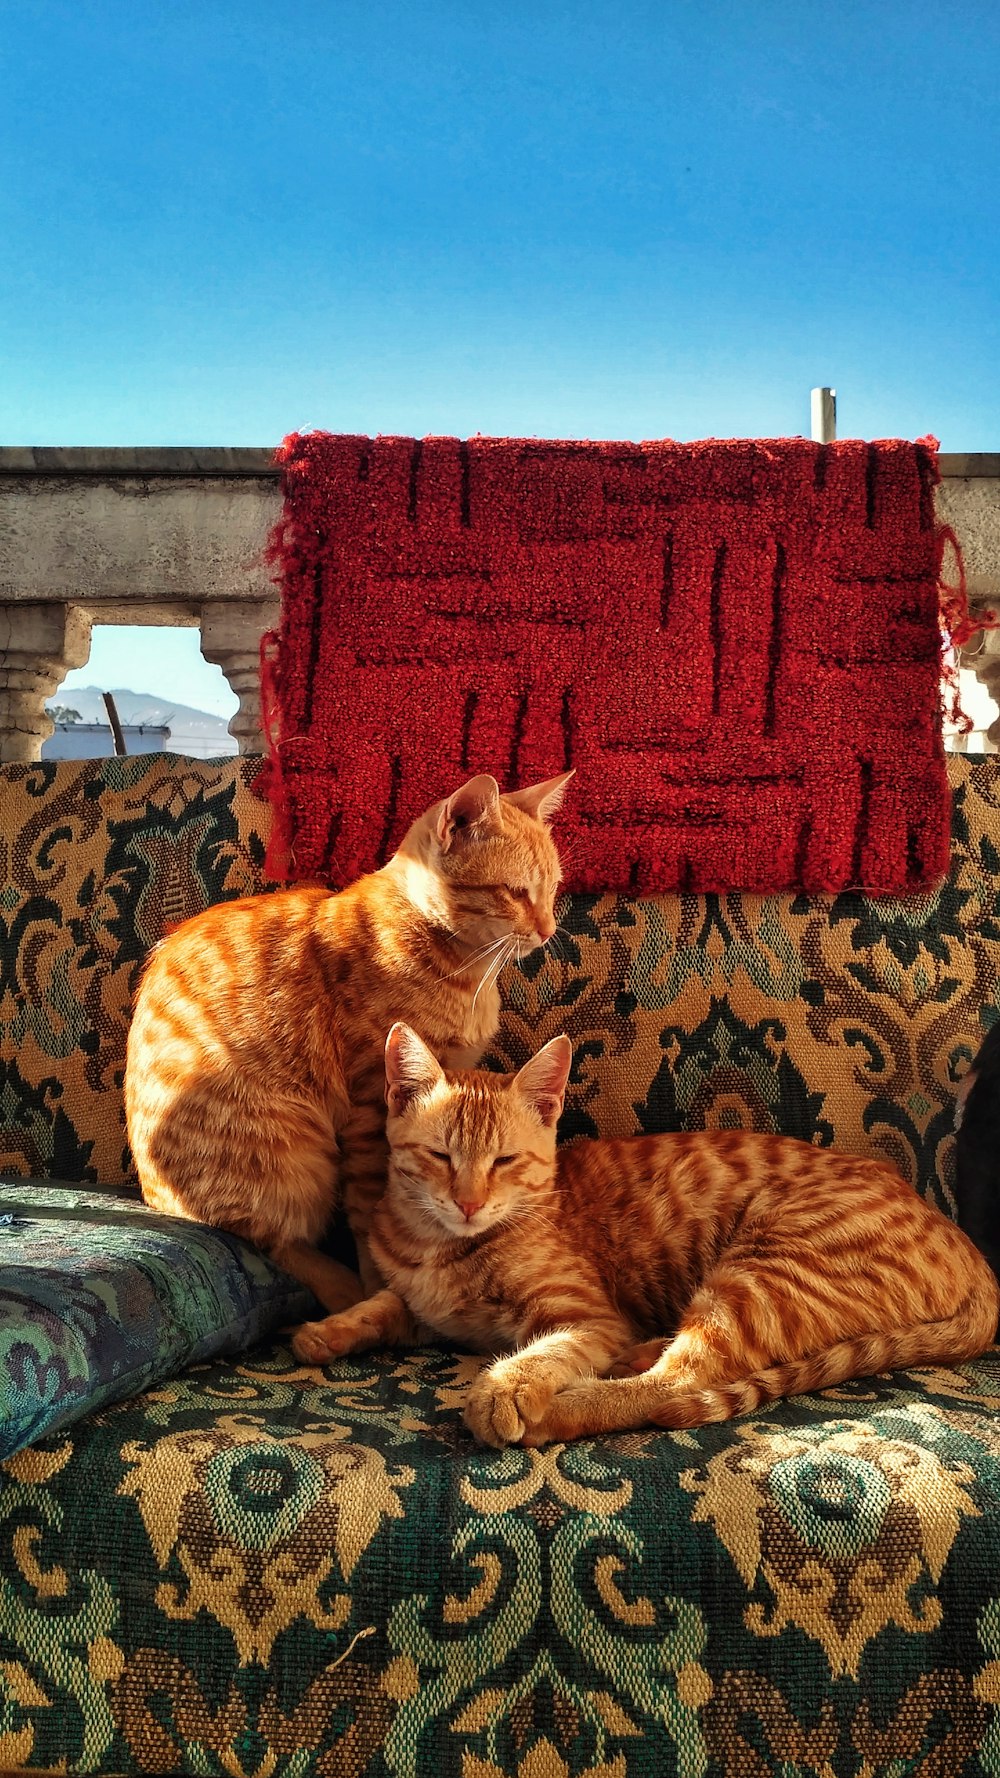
column 255, row 1056
column 780, row 1267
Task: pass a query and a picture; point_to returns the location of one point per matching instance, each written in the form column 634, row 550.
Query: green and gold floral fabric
column 292, row 1574
column 98, row 859
column 843, row 1020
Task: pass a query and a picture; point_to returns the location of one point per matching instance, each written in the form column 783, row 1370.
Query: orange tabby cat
column 780, row 1267
column 254, row 1078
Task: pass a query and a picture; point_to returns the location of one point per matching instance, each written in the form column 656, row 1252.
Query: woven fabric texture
column 101, row 1300
column 306, row 1576
column 97, row 859
column 841, row 1019
column 735, row 643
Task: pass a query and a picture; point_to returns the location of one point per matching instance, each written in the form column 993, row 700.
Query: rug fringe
column 958, row 626
column 272, row 784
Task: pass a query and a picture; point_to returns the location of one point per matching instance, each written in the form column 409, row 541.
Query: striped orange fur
column 254, row 1086
column 710, row 1271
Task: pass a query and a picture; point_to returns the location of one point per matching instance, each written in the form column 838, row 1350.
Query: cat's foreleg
column 336, row 1286
column 371, row 1277
column 515, row 1392
column 364, row 1161
column 333, row 1284
column 379, row 1320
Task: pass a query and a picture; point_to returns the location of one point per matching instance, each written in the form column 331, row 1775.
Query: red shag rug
column 736, row 644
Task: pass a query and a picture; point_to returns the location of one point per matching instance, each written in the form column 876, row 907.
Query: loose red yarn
column 737, row 643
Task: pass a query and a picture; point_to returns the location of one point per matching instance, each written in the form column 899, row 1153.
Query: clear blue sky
column 226, row 220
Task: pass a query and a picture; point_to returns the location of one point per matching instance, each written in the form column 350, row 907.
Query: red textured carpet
column 736, row 644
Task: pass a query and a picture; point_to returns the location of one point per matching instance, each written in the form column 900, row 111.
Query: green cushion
column 100, row 1298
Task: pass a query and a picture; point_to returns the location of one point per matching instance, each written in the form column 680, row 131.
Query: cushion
column 101, row 1298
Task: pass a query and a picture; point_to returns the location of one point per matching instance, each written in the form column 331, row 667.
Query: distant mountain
column 195, row 732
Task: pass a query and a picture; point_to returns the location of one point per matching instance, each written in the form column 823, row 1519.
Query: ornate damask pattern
column 98, row 859
column 296, row 1574
column 842, row 1019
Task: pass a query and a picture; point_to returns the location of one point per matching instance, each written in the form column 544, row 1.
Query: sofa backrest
column 844, row 1020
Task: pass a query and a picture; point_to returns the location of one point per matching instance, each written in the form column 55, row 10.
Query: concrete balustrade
column 176, row 537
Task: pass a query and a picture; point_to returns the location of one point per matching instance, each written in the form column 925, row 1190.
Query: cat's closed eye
column 438, row 1154
column 499, row 889
column 504, row 1160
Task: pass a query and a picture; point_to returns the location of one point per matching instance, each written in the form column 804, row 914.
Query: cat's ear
column 410, row 1069
column 542, row 1081
column 541, row 800
column 467, row 808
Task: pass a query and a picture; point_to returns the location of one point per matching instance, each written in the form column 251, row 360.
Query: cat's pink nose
column 546, row 927
column 468, row 1209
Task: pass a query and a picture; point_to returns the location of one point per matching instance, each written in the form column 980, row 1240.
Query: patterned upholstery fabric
column 293, row 1573
column 297, row 1576
column 101, row 1300
column 97, row 859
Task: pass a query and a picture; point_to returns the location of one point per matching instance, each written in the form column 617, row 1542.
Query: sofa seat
column 263, row 1568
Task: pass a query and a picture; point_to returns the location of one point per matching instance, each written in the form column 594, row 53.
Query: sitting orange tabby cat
column 255, row 1056
column 780, row 1267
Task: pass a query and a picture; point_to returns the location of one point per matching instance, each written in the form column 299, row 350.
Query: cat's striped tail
column 963, row 1335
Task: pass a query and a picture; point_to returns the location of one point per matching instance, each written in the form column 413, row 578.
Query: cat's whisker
column 481, row 986
column 493, row 970
column 484, row 950
column 504, row 959
column 476, row 956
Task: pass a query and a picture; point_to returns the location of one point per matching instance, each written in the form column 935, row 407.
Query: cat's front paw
column 500, row 1410
column 566, row 1416
column 318, row 1342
